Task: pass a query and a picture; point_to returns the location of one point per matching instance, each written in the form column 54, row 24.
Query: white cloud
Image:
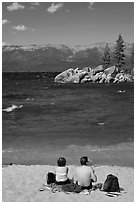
column 5, row 21
column 5, row 43
column 20, row 28
column 15, row 6
column 54, row 7
column 91, row 5
column 34, row 4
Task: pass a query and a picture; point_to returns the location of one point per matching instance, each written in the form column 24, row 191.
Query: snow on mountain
column 41, row 57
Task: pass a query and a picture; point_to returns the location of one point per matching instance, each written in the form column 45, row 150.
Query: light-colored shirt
column 61, row 173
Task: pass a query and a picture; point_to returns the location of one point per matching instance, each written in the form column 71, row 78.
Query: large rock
column 86, row 79
column 76, row 71
column 64, row 76
column 128, row 77
column 91, row 74
column 109, row 78
column 122, row 77
column 99, row 68
column 110, row 70
column 82, row 75
column 119, row 78
column 97, row 77
column 70, row 76
column 73, row 79
column 103, row 78
column 87, row 69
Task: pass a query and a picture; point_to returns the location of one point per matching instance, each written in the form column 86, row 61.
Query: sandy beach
column 21, row 183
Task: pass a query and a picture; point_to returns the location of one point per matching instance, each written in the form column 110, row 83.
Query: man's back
column 84, row 175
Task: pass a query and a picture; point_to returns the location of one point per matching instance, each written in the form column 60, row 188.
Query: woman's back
column 61, row 173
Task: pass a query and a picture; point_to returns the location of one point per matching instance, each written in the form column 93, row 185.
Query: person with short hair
column 62, row 172
column 85, row 175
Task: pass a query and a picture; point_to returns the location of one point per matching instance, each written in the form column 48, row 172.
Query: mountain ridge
column 50, row 57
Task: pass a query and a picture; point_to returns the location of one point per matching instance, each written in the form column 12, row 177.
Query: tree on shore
column 106, row 56
column 132, row 60
column 132, row 57
column 119, row 53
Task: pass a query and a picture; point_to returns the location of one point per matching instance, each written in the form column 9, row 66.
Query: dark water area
column 43, row 120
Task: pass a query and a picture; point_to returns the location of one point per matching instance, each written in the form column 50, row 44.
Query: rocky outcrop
column 122, row 77
column 65, row 76
column 95, row 75
column 99, row 68
column 111, row 70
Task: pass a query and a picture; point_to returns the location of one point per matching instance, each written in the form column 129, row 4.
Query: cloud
column 5, row 21
column 34, row 4
column 20, row 28
column 5, row 43
column 54, row 7
column 15, row 6
column 91, row 5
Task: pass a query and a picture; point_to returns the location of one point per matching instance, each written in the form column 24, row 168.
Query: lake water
column 51, row 120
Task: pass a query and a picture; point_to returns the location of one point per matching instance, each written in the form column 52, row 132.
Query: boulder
column 110, row 70
column 103, row 78
column 82, row 75
column 99, row 68
column 86, row 79
column 109, row 78
column 97, row 77
column 70, row 76
column 76, row 71
column 119, row 78
column 128, row 77
column 64, row 76
column 87, row 69
column 91, row 74
column 73, row 79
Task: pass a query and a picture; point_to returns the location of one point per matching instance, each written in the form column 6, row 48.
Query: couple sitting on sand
column 84, row 175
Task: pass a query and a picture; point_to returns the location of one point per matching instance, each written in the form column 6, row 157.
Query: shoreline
column 96, row 165
column 21, row 183
column 120, row 155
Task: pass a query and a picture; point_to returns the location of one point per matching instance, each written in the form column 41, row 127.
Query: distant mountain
column 54, row 57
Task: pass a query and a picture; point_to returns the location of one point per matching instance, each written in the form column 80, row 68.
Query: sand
column 21, row 183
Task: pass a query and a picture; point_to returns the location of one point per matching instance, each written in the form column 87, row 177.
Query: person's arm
column 75, row 177
column 67, row 170
column 93, row 175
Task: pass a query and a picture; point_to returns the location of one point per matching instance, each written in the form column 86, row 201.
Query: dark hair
column 61, row 161
column 84, row 160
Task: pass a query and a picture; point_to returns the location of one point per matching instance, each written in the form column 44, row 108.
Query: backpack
column 111, row 184
column 51, row 178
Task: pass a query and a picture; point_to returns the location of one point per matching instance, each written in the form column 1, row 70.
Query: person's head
column 61, row 161
column 84, row 160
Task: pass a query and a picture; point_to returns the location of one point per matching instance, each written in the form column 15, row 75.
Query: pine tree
column 132, row 57
column 106, row 57
column 119, row 53
column 132, row 60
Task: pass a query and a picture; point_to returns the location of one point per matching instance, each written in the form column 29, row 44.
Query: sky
column 71, row 23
